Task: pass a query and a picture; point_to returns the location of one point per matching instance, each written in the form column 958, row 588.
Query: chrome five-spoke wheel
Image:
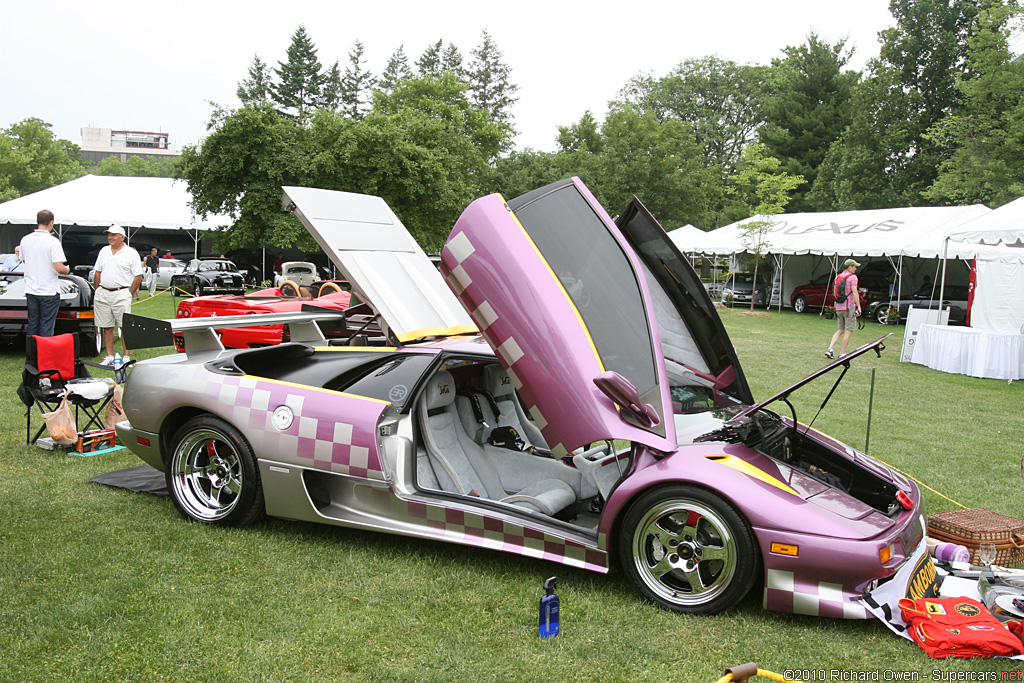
column 688, row 550
column 212, row 474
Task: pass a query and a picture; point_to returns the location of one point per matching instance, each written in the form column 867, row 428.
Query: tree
column 585, row 135
column 297, row 91
column 763, row 188
column 136, row 166
column 659, row 161
column 911, row 87
column 986, row 133
column 451, row 61
column 429, row 63
column 490, row 87
column 355, row 84
column 720, row 99
column 809, row 106
column 255, row 89
column 33, row 159
column 331, row 91
column 396, row 70
column 249, row 154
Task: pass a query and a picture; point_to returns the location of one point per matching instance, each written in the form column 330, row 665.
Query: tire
column 701, row 568
column 800, row 304
column 212, row 474
column 199, row 291
column 882, row 315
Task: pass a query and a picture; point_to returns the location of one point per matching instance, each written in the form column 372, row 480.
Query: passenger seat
column 461, row 466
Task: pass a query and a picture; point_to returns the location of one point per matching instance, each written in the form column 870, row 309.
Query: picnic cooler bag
column 972, row 527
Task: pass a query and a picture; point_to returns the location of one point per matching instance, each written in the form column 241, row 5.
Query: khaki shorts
column 847, row 319
column 109, row 307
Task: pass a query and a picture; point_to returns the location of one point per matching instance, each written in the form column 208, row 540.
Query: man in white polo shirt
column 44, row 262
column 117, row 279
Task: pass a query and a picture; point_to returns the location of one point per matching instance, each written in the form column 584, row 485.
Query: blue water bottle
column 549, row 610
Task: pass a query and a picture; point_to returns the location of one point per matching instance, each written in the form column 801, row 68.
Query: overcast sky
column 149, row 66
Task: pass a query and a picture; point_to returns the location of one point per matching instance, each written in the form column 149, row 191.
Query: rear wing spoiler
column 200, row 334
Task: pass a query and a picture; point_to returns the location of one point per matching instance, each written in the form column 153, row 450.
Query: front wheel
column 882, row 315
column 212, row 474
column 800, row 304
column 688, row 550
column 199, row 291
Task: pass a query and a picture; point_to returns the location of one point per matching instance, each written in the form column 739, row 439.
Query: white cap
column 115, row 230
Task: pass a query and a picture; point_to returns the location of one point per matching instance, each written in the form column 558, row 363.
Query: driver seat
column 461, row 466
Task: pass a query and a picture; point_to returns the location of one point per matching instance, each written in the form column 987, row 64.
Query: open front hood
column 384, row 264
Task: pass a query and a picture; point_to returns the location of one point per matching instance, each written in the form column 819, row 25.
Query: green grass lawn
column 100, row 584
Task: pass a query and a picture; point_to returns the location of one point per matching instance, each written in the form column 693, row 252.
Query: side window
column 392, row 381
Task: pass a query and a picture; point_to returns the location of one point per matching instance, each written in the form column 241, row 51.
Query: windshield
column 217, row 265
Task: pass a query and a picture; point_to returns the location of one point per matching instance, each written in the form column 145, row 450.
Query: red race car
column 289, row 297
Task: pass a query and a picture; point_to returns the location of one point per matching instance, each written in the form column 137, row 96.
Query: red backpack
column 839, row 292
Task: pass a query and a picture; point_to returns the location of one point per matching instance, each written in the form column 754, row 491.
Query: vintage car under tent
column 85, row 206
column 801, row 246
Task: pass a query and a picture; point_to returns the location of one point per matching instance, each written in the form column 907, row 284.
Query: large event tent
column 803, row 245
column 999, row 287
column 91, row 203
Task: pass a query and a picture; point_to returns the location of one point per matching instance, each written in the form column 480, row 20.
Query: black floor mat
column 143, row 479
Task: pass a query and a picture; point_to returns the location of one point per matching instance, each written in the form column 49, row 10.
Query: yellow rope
column 921, row 483
column 760, row 672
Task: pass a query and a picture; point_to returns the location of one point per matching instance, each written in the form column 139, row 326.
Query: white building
column 99, row 143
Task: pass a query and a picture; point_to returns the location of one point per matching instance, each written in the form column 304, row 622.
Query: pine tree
column 297, row 92
column 256, row 88
column 429, row 63
column 396, row 70
column 489, row 84
column 330, row 93
column 451, row 61
column 356, row 82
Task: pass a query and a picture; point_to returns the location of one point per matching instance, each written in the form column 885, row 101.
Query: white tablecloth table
column 967, row 351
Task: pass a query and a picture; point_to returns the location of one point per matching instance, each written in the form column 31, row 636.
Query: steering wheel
column 326, row 285
column 289, row 289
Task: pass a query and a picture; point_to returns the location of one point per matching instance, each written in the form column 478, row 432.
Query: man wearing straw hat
column 117, row 279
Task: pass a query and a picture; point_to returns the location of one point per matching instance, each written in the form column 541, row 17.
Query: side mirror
column 624, row 393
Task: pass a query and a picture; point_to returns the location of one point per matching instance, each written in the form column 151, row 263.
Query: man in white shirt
column 117, row 279
column 44, row 261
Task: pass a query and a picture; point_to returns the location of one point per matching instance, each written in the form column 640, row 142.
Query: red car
column 818, row 292
column 335, row 294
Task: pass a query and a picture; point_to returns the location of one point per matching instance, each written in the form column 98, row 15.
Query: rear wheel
column 199, row 291
column 212, row 474
column 800, row 303
column 688, row 550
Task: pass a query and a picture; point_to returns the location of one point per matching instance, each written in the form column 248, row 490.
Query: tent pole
column 942, row 287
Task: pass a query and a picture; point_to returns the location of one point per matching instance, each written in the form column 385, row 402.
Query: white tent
column 1004, row 225
column 998, row 301
column 914, row 231
column 101, row 201
column 894, row 234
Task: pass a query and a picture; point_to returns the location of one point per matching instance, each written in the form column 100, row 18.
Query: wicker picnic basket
column 972, row 527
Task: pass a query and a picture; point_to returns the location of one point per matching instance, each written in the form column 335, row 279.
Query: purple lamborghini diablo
column 571, row 395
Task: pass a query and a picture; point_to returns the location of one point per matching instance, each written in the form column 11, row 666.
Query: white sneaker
column 109, row 360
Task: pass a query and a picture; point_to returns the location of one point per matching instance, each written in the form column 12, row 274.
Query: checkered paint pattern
column 497, row 533
column 316, row 436
column 784, row 593
column 510, row 352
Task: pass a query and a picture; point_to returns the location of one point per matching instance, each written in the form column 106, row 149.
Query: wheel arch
column 611, row 539
column 173, row 422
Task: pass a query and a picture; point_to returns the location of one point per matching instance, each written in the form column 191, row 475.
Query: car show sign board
column 915, row 318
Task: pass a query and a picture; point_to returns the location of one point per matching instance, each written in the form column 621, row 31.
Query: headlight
column 726, row 292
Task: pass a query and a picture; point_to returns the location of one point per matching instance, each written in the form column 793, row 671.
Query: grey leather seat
column 461, row 466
